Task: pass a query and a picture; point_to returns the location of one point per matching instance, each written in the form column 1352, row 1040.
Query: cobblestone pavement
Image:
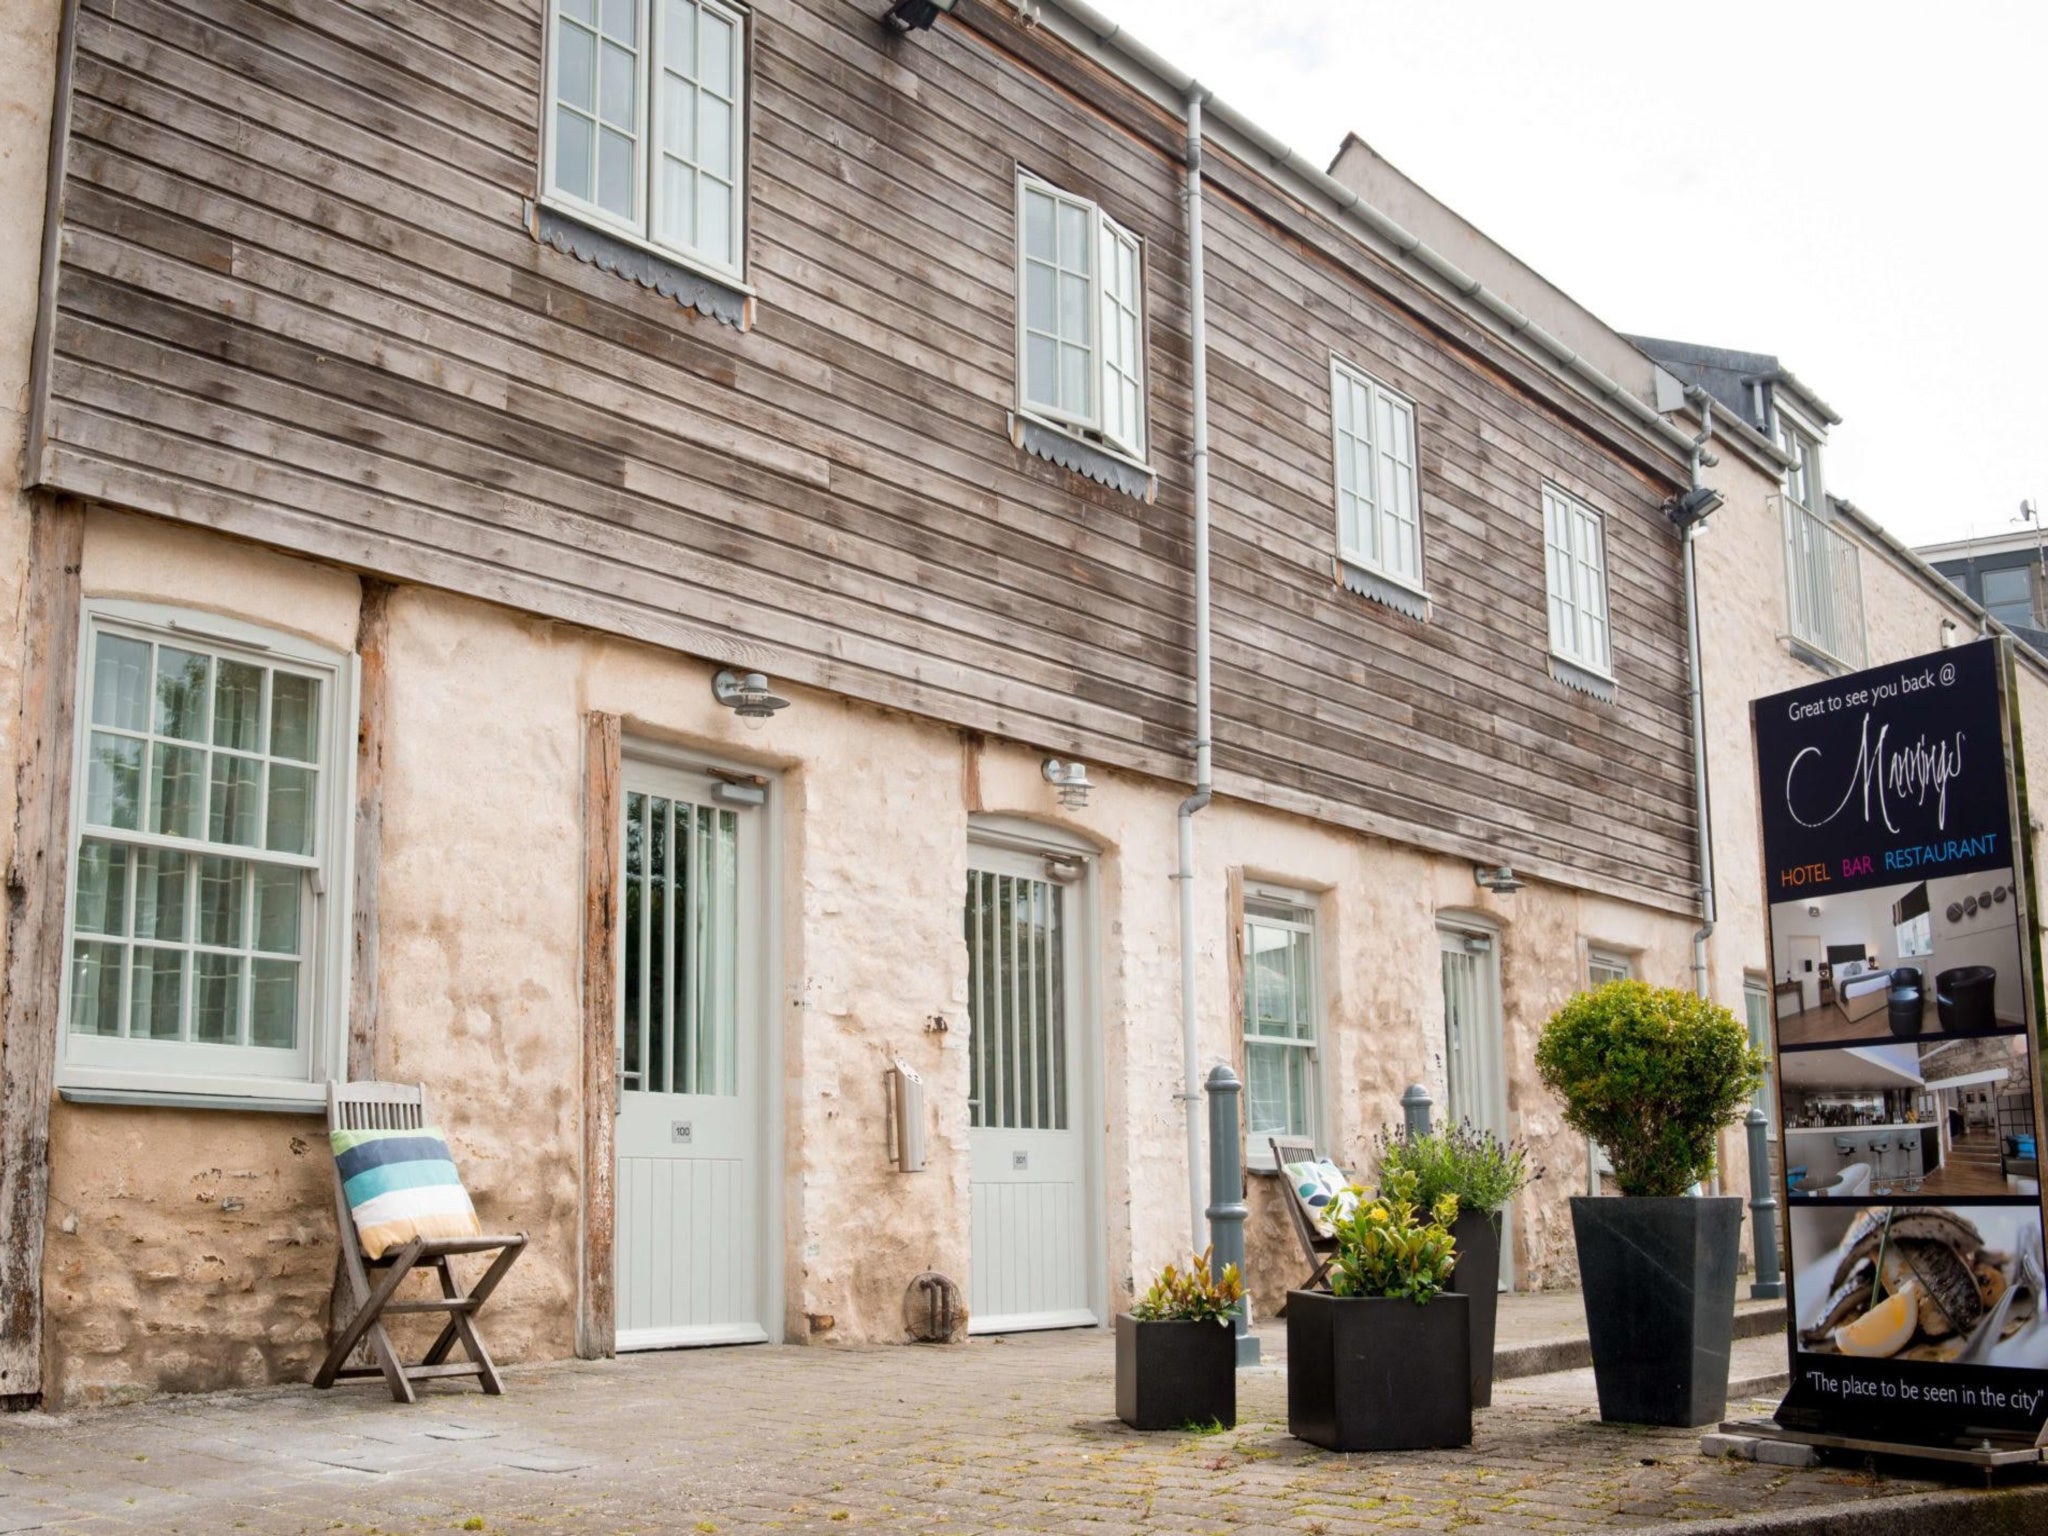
column 1015, row 1435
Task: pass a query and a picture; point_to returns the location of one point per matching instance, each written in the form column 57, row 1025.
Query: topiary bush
column 1652, row 1074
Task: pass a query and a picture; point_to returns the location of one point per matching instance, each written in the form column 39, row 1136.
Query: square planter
column 1659, row 1281
column 1477, row 1279
column 1371, row 1374
column 1170, row 1375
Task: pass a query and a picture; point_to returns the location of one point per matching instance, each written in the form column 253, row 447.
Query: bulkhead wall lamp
column 1070, row 779
column 1502, row 881
column 917, row 15
column 746, row 695
column 1695, row 506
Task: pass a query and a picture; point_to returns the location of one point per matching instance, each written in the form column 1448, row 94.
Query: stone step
column 1574, row 1351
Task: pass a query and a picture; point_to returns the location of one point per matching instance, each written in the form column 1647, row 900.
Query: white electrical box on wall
column 906, row 1090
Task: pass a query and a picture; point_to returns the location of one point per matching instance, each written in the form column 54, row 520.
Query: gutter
column 1702, row 801
column 1343, row 203
column 1198, row 366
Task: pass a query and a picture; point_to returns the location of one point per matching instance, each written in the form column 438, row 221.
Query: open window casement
column 1081, row 335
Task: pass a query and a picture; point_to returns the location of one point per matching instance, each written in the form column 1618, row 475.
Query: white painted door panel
column 689, row 1240
column 1028, row 1172
column 1475, row 1064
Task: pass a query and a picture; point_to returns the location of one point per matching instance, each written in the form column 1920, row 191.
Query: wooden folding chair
column 403, row 1107
column 1320, row 1251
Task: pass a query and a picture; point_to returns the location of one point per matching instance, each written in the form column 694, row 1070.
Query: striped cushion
column 401, row 1185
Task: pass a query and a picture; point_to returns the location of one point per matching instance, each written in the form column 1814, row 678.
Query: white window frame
column 642, row 229
column 1375, row 513
column 1757, row 999
column 1292, row 912
column 1584, row 598
column 1105, row 372
column 169, row 1071
column 1618, row 964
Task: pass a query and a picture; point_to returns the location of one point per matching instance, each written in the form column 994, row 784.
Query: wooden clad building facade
column 347, row 304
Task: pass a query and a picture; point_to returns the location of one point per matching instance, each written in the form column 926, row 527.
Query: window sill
column 722, row 298
column 1068, row 449
column 304, row 1099
column 1583, row 679
column 1388, row 591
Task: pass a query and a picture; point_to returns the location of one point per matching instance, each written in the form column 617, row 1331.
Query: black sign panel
column 1871, row 779
column 1909, row 1091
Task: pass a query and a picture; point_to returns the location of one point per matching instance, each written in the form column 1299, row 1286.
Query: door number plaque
column 679, row 1132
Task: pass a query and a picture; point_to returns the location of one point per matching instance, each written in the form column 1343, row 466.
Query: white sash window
column 1379, row 522
column 207, row 922
column 1081, row 318
column 1576, row 569
column 646, row 126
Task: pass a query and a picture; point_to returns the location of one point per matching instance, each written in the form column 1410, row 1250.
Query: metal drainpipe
column 1198, row 362
column 1701, row 804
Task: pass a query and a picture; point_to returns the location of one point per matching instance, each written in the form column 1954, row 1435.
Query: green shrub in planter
column 1382, row 1360
column 1653, row 1074
column 1176, row 1350
column 1483, row 1173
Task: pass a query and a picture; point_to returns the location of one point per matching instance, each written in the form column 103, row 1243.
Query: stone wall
column 195, row 1249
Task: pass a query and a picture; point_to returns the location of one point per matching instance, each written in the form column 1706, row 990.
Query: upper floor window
column 1379, row 525
column 1823, row 567
column 646, row 122
column 1080, row 317
column 207, row 922
column 2009, row 594
column 1576, row 567
column 1802, row 476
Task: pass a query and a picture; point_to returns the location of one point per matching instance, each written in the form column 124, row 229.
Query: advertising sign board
column 1907, row 1052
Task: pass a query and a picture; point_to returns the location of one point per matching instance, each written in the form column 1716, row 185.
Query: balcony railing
column 1825, row 581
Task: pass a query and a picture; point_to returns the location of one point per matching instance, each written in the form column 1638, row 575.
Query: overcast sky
column 1858, row 188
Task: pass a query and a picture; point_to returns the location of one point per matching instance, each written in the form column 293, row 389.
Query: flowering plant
column 1386, row 1247
column 1482, row 1170
column 1194, row 1295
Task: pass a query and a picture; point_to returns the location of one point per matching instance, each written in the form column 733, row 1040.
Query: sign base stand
column 1987, row 1457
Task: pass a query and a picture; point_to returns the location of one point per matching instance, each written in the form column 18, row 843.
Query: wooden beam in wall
column 372, row 637
column 29, row 986
column 596, row 1330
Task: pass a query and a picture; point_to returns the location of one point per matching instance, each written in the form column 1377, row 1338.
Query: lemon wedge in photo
column 1885, row 1329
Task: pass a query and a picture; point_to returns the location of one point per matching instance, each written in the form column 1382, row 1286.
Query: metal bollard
column 1226, row 1195
column 1415, row 1107
column 1763, row 1211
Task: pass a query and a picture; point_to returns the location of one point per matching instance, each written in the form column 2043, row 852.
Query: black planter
column 1171, row 1375
column 1477, row 1279
column 1368, row 1374
column 1659, row 1282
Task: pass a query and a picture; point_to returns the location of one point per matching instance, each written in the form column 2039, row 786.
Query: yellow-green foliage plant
column 1653, row 1074
column 1192, row 1295
column 1386, row 1247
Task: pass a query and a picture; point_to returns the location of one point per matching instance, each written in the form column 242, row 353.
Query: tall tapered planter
column 1376, row 1374
column 1658, row 1274
column 1477, row 1279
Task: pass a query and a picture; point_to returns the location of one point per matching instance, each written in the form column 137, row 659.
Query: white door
column 1028, row 1165
column 692, row 1148
column 1475, row 1068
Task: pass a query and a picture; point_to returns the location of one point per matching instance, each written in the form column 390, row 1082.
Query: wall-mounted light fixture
column 1948, row 633
column 916, row 15
column 746, row 695
column 1502, row 881
column 1070, row 779
column 1695, row 506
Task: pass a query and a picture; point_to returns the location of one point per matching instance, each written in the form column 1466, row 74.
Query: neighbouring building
column 635, row 562
column 2003, row 574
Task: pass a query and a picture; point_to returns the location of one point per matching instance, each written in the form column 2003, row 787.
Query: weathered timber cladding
column 300, row 302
